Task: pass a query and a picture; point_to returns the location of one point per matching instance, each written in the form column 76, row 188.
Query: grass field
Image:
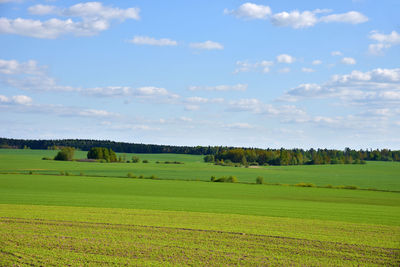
column 378, row 175
column 84, row 220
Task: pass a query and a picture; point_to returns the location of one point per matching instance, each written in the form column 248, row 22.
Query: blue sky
column 321, row 74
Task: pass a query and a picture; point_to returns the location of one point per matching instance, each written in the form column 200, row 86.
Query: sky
column 267, row 74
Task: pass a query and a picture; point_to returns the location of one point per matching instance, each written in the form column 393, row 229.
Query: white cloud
column 203, row 100
column 253, row 105
column 317, row 62
column 336, row 53
column 239, row 125
column 236, row 87
column 42, row 9
column 95, row 113
column 285, row 58
column 307, row 70
column 146, row 92
column 250, row 11
column 17, row 99
column 384, row 41
column 294, row 19
column 207, row 45
column 378, row 86
column 348, row 61
column 145, row 40
column 352, row 17
column 94, row 18
column 244, row 66
column 22, row 99
column 15, row 67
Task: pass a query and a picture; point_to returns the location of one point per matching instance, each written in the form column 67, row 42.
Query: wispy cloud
column 236, row 87
column 145, row 40
column 207, row 45
column 384, row 41
column 93, row 18
column 295, row 19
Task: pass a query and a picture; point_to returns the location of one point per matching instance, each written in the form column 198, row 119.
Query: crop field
column 377, row 175
column 102, row 217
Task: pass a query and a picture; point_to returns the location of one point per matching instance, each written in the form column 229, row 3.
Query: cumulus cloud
column 384, row 41
column 336, row 53
column 295, row 19
column 317, row 62
column 207, row 45
column 380, row 86
column 285, row 58
column 157, row 94
column 250, row 11
column 145, row 40
column 352, row 17
column 262, row 66
column 17, row 99
column 256, row 106
column 93, row 18
column 348, row 61
column 236, row 87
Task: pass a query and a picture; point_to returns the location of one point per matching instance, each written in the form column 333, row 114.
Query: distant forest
column 220, row 154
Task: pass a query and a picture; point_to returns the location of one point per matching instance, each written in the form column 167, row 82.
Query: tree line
column 245, row 156
column 219, row 153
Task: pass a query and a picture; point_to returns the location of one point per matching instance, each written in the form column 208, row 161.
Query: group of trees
column 103, row 153
column 299, row 156
column 66, row 153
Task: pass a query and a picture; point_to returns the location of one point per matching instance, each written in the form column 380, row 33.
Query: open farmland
column 49, row 219
column 377, row 175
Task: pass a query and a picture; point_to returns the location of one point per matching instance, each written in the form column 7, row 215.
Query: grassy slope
column 380, row 175
column 280, row 201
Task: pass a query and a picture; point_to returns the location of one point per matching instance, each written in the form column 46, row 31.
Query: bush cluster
column 224, row 179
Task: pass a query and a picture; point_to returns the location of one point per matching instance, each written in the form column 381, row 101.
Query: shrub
column 46, row 158
column 220, row 180
column 145, row 161
column 259, row 180
column 30, row 172
column 141, row 176
column 130, row 175
column 153, row 177
column 81, row 174
column 66, row 153
column 208, row 158
column 62, row 173
column 232, row 179
column 135, row 159
column 305, row 185
column 67, row 174
column 351, row 187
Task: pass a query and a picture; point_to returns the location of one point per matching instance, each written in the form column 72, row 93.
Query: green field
column 378, row 175
column 49, row 219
